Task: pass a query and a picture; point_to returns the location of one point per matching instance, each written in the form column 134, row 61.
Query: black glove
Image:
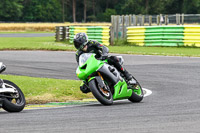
column 102, row 56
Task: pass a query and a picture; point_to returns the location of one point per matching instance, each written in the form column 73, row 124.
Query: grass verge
column 45, row 90
column 20, row 32
column 32, row 43
column 165, row 51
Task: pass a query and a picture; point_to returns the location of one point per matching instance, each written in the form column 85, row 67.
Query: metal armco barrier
column 164, row 35
column 98, row 33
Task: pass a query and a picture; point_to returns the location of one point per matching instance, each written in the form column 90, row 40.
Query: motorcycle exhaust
column 8, row 90
column 5, row 88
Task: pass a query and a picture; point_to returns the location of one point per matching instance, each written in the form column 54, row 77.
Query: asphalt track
column 173, row 107
column 26, row 34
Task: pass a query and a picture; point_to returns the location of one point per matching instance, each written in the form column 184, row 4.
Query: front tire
column 14, row 104
column 99, row 95
column 137, row 95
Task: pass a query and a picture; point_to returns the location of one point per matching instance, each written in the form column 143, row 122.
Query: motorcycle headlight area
column 83, row 58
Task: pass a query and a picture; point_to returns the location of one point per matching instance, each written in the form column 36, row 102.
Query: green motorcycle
column 106, row 82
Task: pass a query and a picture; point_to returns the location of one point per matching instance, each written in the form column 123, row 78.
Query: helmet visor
column 82, row 46
column 77, row 45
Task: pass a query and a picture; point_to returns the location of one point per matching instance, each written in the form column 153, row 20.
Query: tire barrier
column 62, row 33
column 192, row 36
column 164, row 35
column 98, row 33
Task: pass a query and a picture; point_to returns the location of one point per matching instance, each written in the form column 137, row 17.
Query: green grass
column 32, row 43
column 44, row 90
column 48, row 43
column 18, row 32
column 166, row 51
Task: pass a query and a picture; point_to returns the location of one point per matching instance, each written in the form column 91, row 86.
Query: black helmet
column 80, row 40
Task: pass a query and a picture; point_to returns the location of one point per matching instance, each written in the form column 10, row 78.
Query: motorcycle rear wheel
column 137, row 95
column 103, row 97
column 14, row 104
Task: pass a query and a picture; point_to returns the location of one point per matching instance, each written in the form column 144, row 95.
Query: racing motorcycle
column 105, row 82
column 11, row 97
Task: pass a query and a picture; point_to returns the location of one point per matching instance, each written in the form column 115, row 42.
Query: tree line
column 89, row 10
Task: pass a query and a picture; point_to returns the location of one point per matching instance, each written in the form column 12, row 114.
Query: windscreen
column 83, row 58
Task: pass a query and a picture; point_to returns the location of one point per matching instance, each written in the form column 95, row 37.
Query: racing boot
column 129, row 78
column 127, row 75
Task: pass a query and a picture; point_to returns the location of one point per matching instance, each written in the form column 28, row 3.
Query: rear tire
column 20, row 102
column 137, row 95
column 105, row 100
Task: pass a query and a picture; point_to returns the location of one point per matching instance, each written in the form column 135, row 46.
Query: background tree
column 89, row 10
column 191, row 6
column 85, row 10
column 42, row 11
column 74, row 10
column 10, row 10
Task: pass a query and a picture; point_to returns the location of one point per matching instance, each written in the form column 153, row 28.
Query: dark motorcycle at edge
column 11, row 97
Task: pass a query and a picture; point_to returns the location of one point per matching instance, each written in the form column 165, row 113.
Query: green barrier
column 98, row 33
column 164, row 35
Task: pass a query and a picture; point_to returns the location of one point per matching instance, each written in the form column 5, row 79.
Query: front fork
column 100, row 81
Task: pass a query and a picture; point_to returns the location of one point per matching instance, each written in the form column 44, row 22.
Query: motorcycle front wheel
column 13, row 102
column 104, row 97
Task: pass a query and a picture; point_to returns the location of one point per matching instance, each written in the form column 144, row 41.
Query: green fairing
column 92, row 66
column 138, row 90
column 123, row 93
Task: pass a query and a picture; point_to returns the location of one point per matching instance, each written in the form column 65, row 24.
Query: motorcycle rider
column 82, row 44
